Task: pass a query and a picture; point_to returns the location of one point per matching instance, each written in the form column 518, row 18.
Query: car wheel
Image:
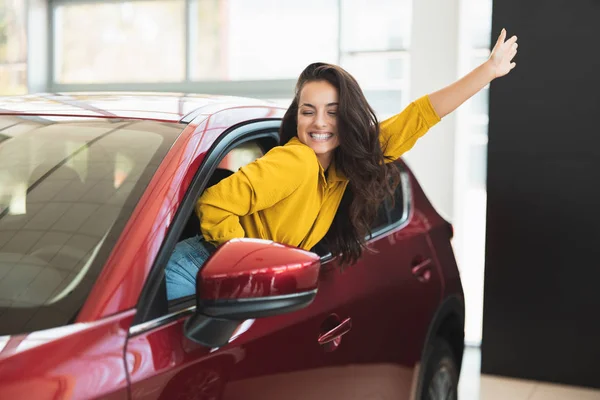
column 440, row 381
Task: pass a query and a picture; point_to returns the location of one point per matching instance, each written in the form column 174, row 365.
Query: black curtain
column 542, row 273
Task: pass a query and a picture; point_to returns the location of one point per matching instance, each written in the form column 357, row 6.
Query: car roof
column 168, row 107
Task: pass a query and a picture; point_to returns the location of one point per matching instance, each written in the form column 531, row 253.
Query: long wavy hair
column 359, row 156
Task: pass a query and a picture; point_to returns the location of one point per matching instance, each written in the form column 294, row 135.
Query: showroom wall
column 13, row 47
column 541, row 308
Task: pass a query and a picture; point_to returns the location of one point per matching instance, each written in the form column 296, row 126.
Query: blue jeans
column 183, row 266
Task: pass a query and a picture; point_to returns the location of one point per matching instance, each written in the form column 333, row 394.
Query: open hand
column 502, row 54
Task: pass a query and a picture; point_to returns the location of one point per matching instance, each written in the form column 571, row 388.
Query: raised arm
column 446, row 100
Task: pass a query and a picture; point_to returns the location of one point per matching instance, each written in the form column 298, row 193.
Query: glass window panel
column 378, row 71
column 479, row 17
column 383, row 78
column 386, row 103
column 13, row 79
column 13, row 47
column 134, row 41
column 388, row 22
column 262, row 39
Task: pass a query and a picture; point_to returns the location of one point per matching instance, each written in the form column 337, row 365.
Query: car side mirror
column 247, row 279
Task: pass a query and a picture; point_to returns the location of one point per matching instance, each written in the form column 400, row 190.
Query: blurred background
column 398, row 50
column 258, row 48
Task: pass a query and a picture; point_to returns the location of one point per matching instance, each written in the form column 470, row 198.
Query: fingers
column 512, row 65
column 510, row 42
column 513, row 51
column 501, row 38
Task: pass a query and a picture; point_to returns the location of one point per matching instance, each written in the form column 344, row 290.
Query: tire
column 440, row 379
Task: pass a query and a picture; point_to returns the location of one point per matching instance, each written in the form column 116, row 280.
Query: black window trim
column 406, row 207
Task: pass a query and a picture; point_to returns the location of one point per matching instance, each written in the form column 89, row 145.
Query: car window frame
column 406, row 205
column 236, row 135
column 386, row 208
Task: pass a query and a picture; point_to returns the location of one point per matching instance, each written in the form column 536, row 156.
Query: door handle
column 422, row 269
column 336, row 333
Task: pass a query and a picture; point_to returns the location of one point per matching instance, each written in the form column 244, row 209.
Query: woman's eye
column 307, row 113
column 333, row 113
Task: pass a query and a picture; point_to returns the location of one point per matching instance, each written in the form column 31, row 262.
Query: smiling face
column 317, row 119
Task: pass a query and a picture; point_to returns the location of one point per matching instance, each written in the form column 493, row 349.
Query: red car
column 96, row 190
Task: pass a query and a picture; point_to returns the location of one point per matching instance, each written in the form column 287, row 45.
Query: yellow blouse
column 284, row 196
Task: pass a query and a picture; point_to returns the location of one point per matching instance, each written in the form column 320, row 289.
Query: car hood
column 14, row 344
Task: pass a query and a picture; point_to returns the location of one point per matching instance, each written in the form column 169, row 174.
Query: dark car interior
column 230, row 163
column 192, row 227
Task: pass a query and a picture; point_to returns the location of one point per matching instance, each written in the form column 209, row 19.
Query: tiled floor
column 474, row 386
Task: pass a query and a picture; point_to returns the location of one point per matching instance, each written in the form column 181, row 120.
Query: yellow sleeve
column 399, row 133
column 256, row 186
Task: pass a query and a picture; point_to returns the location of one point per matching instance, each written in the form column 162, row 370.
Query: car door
column 391, row 295
column 274, row 357
column 269, row 358
column 361, row 337
column 387, row 299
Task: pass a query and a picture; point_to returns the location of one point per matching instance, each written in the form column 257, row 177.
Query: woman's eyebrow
column 310, row 105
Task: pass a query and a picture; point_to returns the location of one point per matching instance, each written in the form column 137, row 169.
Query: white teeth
column 321, row 136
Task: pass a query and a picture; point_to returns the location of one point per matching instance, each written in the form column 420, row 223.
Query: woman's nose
column 321, row 120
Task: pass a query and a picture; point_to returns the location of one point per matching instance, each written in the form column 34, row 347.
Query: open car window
column 235, row 159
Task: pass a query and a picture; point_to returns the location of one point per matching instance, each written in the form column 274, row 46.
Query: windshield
column 67, row 189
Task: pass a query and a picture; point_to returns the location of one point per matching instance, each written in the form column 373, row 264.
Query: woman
column 331, row 172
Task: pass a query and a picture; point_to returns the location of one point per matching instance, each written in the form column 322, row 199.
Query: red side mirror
column 250, row 278
column 253, row 269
